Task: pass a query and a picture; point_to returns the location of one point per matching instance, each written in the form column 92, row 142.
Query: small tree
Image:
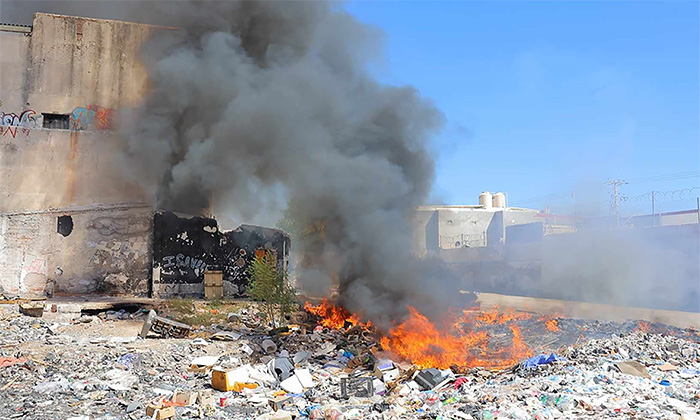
column 269, row 286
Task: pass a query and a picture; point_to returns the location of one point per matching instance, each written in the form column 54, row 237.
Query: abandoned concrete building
column 68, row 218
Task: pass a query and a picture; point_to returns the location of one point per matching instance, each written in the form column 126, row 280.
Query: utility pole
column 616, row 183
column 573, row 211
column 653, row 209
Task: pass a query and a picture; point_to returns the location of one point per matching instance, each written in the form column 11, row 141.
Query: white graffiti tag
column 25, row 119
column 184, row 262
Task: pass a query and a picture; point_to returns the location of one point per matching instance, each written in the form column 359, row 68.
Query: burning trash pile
column 329, row 364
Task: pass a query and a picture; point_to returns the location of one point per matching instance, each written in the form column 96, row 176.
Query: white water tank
column 499, row 200
column 485, row 199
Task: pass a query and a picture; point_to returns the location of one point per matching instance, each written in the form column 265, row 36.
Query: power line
column 666, row 177
column 639, row 180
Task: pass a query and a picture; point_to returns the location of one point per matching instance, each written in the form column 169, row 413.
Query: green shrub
column 270, row 287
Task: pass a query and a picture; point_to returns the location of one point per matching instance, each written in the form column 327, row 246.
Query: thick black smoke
column 257, row 103
column 253, row 98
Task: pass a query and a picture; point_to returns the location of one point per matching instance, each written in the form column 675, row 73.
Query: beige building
column 62, row 81
column 442, row 227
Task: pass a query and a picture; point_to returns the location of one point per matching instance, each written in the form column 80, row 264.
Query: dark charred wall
column 184, row 247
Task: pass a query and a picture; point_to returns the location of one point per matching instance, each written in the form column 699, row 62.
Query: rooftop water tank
column 485, row 199
column 499, row 200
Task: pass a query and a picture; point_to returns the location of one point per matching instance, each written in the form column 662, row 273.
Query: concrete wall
column 72, row 171
column 647, row 267
column 516, row 216
column 529, row 232
column 675, row 219
column 77, row 62
column 425, row 232
column 463, row 227
column 41, row 169
column 106, row 252
column 14, row 56
column 85, row 70
column 448, row 227
column 666, row 219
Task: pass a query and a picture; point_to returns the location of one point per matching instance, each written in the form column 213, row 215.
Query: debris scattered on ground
column 164, row 327
column 52, row 370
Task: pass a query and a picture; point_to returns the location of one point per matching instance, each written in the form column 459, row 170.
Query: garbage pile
column 238, row 370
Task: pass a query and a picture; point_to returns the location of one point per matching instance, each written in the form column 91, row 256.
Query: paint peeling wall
column 107, row 252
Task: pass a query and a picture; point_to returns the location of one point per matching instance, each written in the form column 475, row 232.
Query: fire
column 464, row 340
column 497, row 316
column 332, row 316
column 550, row 322
column 643, row 326
column 418, row 339
column 552, row 325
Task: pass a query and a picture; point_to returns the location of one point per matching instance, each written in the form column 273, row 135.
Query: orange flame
column 417, row 339
column 643, row 326
column 332, row 316
column 496, row 316
column 463, row 340
column 552, row 325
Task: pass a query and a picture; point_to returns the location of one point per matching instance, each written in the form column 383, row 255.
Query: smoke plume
column 253, row 99
column 263, row 103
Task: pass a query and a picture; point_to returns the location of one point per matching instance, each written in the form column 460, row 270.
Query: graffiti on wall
column 33, row 275
column 12, row 131
column 183, row 248
column 26, row 118
column 37, row 266
column 93, row 117
column 184, row 262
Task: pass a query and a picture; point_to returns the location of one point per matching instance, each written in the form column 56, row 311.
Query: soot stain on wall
column 185, row 247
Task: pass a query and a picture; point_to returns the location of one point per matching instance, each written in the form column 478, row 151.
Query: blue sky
column 548, row 98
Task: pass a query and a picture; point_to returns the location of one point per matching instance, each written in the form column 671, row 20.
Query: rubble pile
column 238, row 370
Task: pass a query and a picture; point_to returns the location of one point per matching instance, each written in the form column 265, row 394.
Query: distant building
column 673, row 218
column 495, row 248
column 490, row 223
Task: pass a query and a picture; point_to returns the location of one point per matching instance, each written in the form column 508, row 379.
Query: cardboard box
column 386, row 370
column 158, row 411
column 279, row 402
column 220, row 380
column 206, row 398
column 185, row 397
